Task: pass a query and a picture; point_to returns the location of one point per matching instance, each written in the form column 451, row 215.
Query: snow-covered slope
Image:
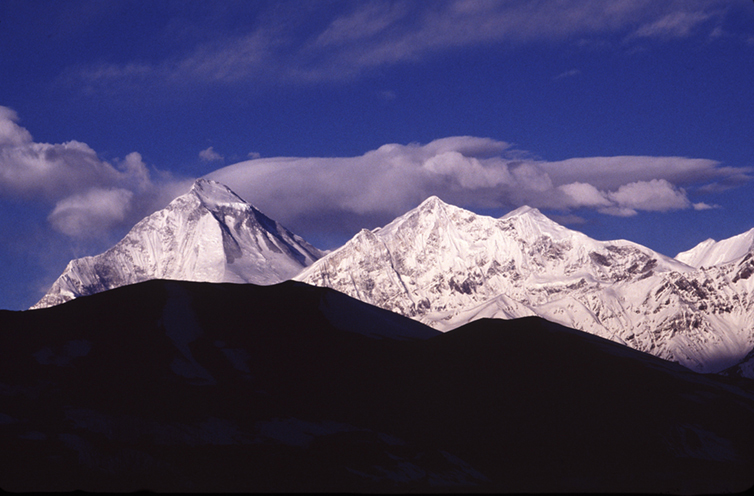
column 446, row 266
column 711, row 252
column 209, row 234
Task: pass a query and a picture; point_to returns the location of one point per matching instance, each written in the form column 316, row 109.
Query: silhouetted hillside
column 177, row 386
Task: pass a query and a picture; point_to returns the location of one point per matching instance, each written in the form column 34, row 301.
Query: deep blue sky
column 620, row 118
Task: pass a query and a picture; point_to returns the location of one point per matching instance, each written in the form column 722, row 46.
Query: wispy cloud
column 679, row 24
column 468, row 171
column 567, row 74
column 357, row 37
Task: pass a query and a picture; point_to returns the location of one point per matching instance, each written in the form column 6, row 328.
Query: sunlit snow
column 209, row 234
column 446, row 266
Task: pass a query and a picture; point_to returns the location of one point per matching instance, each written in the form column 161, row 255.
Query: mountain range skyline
column 203, row 386
column 446, row 267
column 377, row 246
column 707, row 252
column 624, row 120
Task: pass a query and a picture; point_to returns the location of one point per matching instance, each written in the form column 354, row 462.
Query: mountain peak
column 432, row 201
column 445, row 266
column 428, row 215
column 524, row 210
column 710, row 252
column 432, row 204
column 213, row 194
column 531, row 220
column 209, row 234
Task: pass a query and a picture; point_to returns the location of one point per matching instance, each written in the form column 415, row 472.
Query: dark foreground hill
column 175, row 386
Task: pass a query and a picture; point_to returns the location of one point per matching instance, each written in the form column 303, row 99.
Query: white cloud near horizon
column 470, row 172
column 90, row 196
column 356, row 37
column 210, row 155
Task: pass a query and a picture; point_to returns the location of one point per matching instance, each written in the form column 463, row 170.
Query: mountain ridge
column 447, row 266
column 709, row 252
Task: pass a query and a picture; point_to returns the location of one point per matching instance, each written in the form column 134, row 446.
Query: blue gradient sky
column 622, row 119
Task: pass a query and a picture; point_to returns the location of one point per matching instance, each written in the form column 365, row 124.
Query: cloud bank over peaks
column 90, row 196
column 471, row 172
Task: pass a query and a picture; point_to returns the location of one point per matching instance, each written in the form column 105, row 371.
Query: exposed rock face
column 209, row 234
column 446, row 266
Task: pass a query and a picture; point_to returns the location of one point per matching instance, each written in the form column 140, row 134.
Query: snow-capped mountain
column 209, row 234
column 711, row 252
column 446, row 266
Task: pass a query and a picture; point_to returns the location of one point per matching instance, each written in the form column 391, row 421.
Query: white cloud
column 88, row 214
column 135, row 171
column 609, row 173
column 210, row 155
column 469, row 146
column 11, row 134
column 704, row 206
column 467, row 171
column 655, row 195
column 52, row 170
column 531, row 178
column 89, row 195
column 583, row 195
column 367, row 21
